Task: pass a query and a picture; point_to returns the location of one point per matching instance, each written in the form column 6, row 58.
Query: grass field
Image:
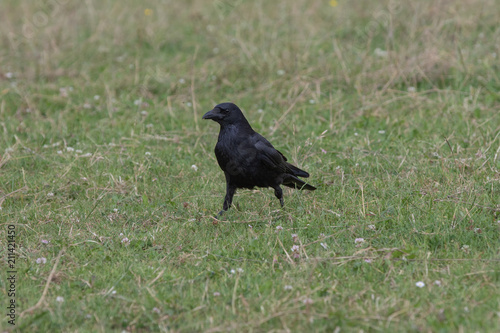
column 109, row 180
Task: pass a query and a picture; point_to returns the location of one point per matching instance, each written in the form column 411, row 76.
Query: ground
column 109, row 183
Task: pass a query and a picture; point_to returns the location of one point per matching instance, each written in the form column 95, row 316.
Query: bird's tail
column 294, row 182
column 296, row 171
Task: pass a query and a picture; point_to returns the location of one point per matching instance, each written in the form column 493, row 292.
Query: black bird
column 248, row 159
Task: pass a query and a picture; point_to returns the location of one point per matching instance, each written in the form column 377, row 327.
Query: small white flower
column 121, row 233
column 59, row 152
column 411, row 89
column 321, row 235
column 44, row 241
column 96, row 97
column 420, row 284
column 78, row 151
column 113, row 292
column 41, row 260
column 356, row 134
column 288, row 287
column 125, row 241
column 296, row 251
column 368, row 260
column 144, row 113
column 9, row 75
column 466, row 309
column 216, row 294
column 138, row 101
column 147, row 153
column 372, row 227
column 189, row 104
column 324, row 245
column 116, row 211
column 308, row 301
column 312, row 101
column 156, row 310
column 465, row 247
column 437, row 283
column 239, row 270
column 359, row 240
column 50, row 194
column 59, row 299
column 194, row 167
column 280, row 72
column 260, row 111
column 182, row 81
column 70, row 149
column 279, row 228
column 380, row 53
column 435, row 154
column 232, row 271
column 381, row 132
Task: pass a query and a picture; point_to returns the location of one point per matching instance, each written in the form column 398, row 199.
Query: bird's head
column 225, row 113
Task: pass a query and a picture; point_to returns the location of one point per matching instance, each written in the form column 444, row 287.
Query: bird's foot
column 219, row 214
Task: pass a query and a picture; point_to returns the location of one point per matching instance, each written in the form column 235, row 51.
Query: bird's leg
column 278, row 192
column 228, row 200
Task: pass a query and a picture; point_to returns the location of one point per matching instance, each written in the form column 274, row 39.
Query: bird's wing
column 275, row 160
column 284, row 158
column 269, row 156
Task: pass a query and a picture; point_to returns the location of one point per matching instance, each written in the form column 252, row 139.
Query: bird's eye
column 224, row 111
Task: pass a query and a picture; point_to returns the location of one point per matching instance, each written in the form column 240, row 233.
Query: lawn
column 109, row 183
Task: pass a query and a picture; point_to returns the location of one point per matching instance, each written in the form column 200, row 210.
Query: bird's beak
column 210, row 115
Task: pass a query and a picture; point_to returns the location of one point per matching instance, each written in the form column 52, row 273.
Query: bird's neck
column 241, row 125
column 232, row 130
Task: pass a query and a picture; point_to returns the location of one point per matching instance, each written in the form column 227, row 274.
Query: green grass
column 402, row 142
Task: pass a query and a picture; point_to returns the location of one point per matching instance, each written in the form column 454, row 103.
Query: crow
column 248, row 159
